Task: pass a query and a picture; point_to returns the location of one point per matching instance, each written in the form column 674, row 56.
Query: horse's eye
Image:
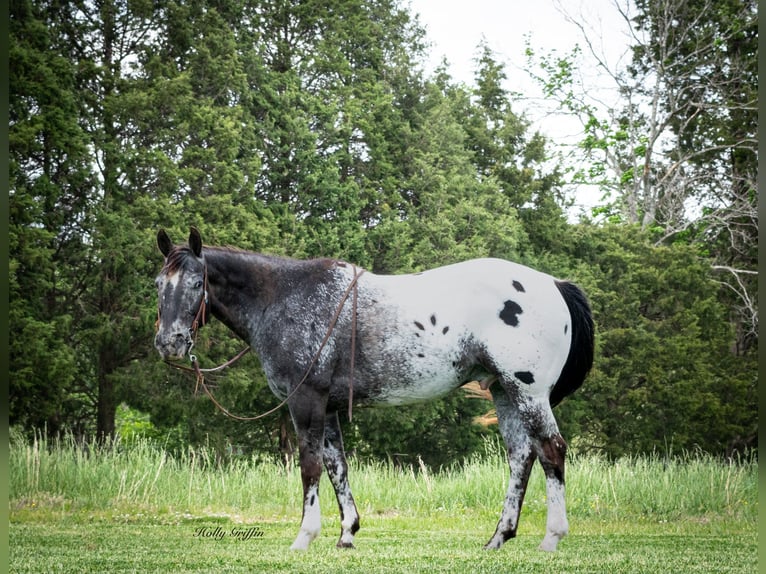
column 198, row 284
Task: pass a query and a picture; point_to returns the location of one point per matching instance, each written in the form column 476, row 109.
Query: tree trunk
column 106, row 407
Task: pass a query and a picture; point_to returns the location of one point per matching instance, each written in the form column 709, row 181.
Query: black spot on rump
column 444, row 331
column 433, row 320
column 510, row 313
column 525, row 377
column 518, row 286
column 566, row 328
column 420, row 326
column 421, row 355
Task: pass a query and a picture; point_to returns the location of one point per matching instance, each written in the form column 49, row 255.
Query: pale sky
column 456, row 27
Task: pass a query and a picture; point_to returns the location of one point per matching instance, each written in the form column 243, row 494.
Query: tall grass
column 62, row 476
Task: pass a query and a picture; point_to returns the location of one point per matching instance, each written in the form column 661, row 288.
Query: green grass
column 138, row 510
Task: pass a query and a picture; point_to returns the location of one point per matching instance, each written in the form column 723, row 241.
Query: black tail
column 580, row 358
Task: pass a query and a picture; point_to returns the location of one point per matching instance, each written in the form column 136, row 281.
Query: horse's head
column 182, row 293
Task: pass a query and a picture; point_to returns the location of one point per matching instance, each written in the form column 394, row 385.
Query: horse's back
column 486, row 293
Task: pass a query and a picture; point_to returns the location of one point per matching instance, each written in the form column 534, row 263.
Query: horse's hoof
column 345, row 545
column 548, row 546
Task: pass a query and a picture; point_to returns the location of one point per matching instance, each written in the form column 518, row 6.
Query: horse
column 330, row 336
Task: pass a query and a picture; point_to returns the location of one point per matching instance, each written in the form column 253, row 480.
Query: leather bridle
column 201, row 312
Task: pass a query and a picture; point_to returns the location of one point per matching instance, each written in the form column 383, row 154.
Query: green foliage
column 117, row 477
column 48, row 172
column 308, row 129
column 665, row 377
column 133, row 425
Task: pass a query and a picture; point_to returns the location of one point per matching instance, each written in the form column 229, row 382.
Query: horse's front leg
column 337, row 469
column 307, row 408
column 521, row 457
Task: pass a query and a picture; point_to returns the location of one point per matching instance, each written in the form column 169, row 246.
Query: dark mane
column 176, row 259
column 180, row 255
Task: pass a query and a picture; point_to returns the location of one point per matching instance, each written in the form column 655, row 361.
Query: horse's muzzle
column 173, row 347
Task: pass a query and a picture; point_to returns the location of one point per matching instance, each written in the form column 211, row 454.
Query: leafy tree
column 664, row 377
column 704, row 55
column 50, row 175
column 308, row 129
column 677, row 155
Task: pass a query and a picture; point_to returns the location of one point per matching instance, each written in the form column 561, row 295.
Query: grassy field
column 139, row 510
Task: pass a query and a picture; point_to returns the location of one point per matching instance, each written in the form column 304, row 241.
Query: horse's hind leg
column 337, row 470
column 530, row 432
column 521, row 457
column 551, row 449
column 307, row 409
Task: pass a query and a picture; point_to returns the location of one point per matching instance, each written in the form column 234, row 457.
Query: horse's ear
column 164, row 242
column 195, row 242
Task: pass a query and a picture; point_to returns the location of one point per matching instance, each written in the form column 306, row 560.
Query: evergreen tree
column 506, row 154
column 664, row 378
column 308, row 129
column 51, row 177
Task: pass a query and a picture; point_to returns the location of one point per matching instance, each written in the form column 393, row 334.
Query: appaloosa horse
column 328, row 333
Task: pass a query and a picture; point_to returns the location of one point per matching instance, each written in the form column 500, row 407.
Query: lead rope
column 200, row 372
column 353, row 345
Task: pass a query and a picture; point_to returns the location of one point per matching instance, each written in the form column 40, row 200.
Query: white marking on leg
column 337, row 470
column 350, row 516
column 311, row 525
column 557, row 525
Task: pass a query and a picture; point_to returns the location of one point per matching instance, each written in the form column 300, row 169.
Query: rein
column 200, row 373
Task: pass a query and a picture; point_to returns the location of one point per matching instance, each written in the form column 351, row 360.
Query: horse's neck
column 242, row 285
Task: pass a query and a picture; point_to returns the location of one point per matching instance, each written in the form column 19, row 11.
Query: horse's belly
column 422, row 385
column 407, row 369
